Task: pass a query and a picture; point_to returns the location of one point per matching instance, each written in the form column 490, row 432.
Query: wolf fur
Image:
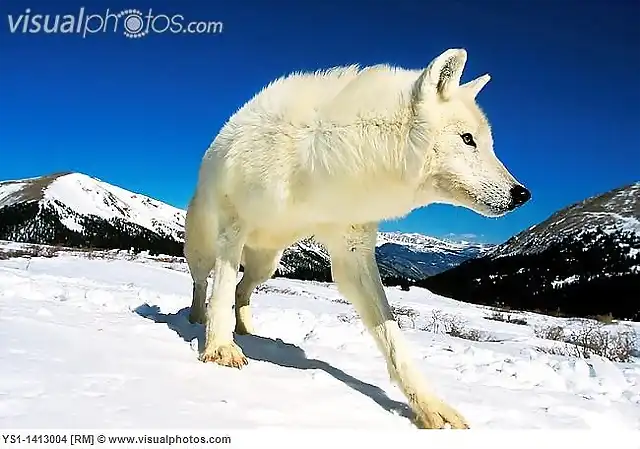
column 330, row 154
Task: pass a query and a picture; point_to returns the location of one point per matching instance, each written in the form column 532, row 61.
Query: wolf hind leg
column 199, row 250
column 259, row 266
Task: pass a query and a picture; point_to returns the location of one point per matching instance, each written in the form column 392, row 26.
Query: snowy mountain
column 615, row 211
column 416, row 255
column 583, row 260
column 93, row 343
column 400, row 256
column 76, row 210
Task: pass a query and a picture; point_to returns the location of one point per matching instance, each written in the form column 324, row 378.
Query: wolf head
column 461, row 167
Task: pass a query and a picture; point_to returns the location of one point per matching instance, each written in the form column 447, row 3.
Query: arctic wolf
column 330, row 154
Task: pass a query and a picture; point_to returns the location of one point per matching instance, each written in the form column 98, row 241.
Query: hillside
column 584, row 260
column 75, row 210
column 615, row 211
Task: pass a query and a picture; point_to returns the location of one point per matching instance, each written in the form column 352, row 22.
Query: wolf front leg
column 219, row 346
column 356, row 273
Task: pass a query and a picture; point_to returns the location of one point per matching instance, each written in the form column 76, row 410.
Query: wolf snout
column 519, row 196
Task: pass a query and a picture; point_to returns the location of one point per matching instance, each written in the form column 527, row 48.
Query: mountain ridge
column 617, row 209
column 583, row 260
column 78, row 210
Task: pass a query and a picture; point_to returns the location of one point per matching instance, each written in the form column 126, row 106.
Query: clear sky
column 564, row 99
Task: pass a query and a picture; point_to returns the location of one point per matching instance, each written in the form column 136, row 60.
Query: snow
column 7, row 190
column 105, row 343
column 89, row 196
column 566, row 281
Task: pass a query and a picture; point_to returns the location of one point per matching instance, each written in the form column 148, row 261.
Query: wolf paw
column 226, row 355
column 440, row 416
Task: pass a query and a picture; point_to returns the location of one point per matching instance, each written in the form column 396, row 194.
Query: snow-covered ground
column 94, row 343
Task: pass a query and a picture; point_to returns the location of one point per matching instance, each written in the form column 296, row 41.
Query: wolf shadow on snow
column 273, row 351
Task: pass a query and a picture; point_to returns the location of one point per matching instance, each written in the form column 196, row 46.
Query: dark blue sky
column 564, row 99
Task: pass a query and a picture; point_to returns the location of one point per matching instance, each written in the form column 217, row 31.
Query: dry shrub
column 442, row 323
column 618, row 344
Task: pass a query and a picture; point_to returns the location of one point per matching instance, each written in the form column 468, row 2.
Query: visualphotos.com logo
column 132, row 23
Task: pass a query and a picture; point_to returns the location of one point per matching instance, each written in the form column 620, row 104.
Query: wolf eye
column 467, row 138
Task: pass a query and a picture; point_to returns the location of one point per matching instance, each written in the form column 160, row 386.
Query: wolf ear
column 474, row 87
column 443, row 73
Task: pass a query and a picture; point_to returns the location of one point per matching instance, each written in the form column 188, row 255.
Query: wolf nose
column 519, row 196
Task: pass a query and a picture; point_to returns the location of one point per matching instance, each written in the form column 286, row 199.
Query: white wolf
column 329, row 155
